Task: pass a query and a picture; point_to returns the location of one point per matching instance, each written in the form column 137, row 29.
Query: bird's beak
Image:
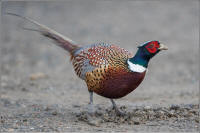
column 163, row 47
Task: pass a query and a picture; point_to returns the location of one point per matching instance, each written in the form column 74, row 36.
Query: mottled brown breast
column 113, row 82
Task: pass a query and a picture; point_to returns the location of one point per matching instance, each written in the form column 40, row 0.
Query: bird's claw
column 91, row 109
column 119, row 113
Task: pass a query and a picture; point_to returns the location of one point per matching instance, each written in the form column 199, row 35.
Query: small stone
column 41, row 126
column 47, row 109
column 136, row 122
column 25, row 120
column 38, row 75
column 10, row 130
column 147, row 107
column 94, row 123
column 32, row 128
column 197, row 120
column 76, row 106
column 2, row 121
column 174, row 107
column 24, row 89
column 54, row 113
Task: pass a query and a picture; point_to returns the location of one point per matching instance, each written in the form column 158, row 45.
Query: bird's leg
column 118, row 112
column 91, row 106
column 91, row 97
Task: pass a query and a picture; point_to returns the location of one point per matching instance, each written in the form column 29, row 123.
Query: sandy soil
column 40, row 92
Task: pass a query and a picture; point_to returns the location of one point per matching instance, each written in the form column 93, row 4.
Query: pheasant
column 107, row 69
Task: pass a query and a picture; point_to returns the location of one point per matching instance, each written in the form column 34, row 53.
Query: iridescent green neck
column 140, row 58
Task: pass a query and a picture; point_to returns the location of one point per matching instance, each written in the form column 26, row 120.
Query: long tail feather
column 60, row 40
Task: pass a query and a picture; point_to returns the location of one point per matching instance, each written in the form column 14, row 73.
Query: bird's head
column 145, row 52
column 151, row 48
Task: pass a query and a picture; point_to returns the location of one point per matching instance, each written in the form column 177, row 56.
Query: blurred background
column 172, row 76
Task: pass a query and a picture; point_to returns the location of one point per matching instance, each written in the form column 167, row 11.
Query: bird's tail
column 60, row 40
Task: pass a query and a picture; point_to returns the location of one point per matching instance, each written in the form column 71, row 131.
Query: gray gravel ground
column 39, row 90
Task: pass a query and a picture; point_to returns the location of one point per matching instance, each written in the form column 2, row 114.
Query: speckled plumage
column 93, row 56
column 105, row 70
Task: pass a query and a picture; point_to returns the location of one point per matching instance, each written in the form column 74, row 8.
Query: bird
column 108, row 70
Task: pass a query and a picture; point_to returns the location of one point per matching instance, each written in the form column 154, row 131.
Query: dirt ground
column 39, row 90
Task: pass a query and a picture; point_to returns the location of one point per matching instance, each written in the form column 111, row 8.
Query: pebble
column 54, row 113
column 94, row 123
column 136, row 122
column 147, row 107
column 24, row 89
column 174, row 107
column 38, row 75
column 32, row 128
column 11, row 130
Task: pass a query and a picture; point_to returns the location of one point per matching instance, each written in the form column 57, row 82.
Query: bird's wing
column 97, row 55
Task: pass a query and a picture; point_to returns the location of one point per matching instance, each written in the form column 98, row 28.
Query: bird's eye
column 150, row 45
column 151, row 48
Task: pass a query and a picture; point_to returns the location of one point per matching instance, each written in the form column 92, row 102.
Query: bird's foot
column 118, row 112
column 91, row 109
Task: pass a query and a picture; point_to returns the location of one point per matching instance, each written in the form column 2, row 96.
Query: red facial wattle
column 152, row 47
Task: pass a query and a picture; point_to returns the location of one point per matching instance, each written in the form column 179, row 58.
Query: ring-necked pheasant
column 108, row 70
